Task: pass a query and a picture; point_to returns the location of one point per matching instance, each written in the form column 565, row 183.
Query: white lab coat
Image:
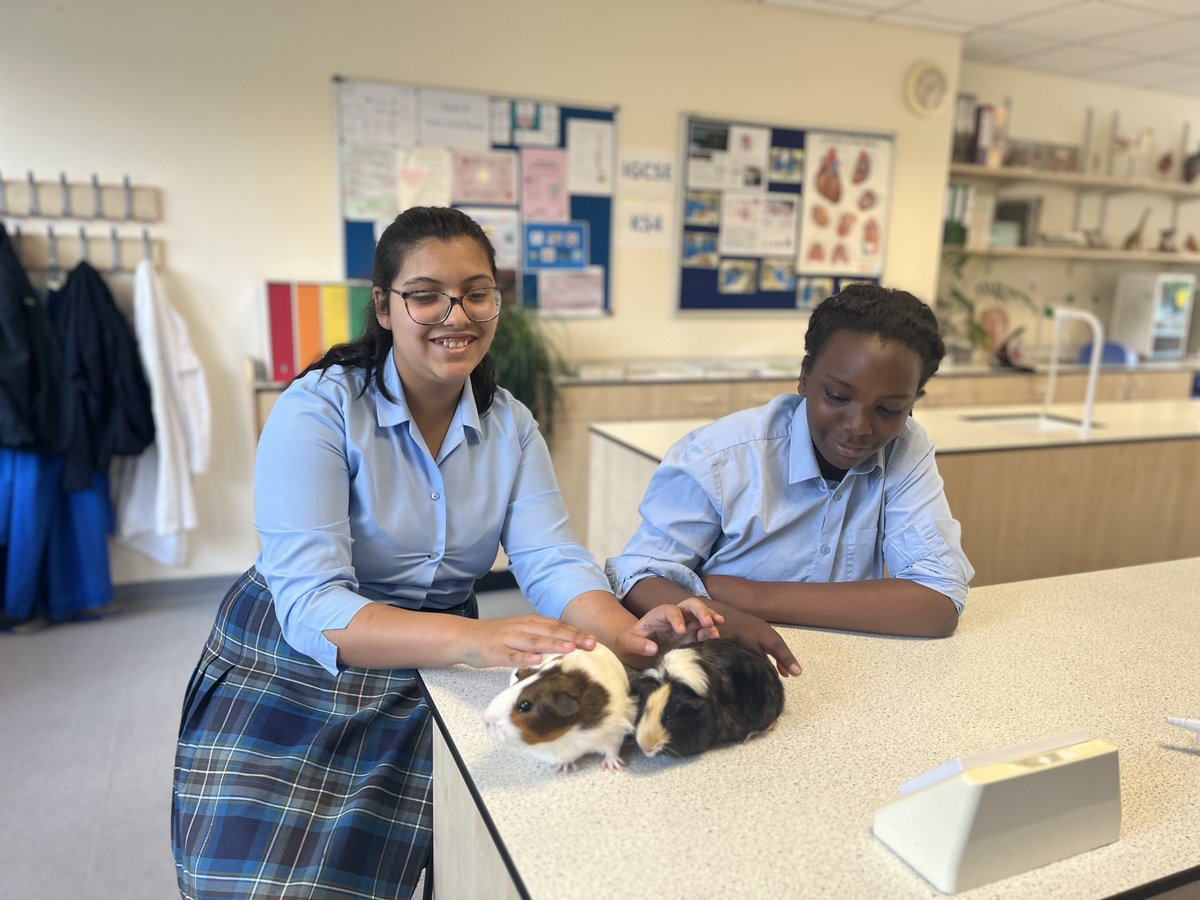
column 153, row 497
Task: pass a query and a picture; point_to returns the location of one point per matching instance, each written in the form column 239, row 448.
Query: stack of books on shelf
column 957, row 218
column 980, row 131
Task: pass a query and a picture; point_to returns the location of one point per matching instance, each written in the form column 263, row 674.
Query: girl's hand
column 670, row 625
column 520, row 640
column 759, row 635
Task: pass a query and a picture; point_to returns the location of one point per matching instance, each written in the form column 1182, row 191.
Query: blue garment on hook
column 57, row 561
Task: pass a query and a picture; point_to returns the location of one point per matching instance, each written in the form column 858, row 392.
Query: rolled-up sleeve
column 301, row 500
column 680, row 524
column 923, row 542
column 549, row 565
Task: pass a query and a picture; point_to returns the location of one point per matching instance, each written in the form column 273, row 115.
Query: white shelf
column 1079, row 253
column 1077, row 180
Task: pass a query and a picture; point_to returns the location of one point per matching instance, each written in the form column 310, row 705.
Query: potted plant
column 527, row 363
column 957, row 304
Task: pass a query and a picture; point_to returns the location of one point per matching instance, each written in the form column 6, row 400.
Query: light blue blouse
column 744, row 496
column 351, row 507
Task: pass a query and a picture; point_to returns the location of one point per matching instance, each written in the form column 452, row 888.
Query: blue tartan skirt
column 291, row 782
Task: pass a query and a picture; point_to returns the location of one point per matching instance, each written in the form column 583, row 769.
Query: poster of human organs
column 847, row 179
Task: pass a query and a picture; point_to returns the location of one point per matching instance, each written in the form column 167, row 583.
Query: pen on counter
column 1192, row 725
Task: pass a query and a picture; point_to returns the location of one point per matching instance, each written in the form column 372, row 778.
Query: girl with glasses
column 387, row 477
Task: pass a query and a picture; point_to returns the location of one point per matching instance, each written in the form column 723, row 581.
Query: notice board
column 536, row 174
column 777, row 218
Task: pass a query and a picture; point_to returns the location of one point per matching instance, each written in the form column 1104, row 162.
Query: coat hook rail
column 35, row 206
column 91, row 199
column 47, row 250
column 65, row 191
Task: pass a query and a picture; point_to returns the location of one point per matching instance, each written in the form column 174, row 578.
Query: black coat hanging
column 112, row 410
column 35, row 412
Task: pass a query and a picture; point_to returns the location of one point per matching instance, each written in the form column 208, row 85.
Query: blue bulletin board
column 538, row 175
column 777, row 218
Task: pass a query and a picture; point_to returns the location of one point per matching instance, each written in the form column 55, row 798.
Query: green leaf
column 527, row 363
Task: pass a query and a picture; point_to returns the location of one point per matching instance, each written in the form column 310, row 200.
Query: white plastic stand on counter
column 977, row 819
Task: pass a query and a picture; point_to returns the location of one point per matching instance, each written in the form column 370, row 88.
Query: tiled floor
column 88, row 717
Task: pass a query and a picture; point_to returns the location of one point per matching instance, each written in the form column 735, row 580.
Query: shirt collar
column 803, row 464
column 389, row 412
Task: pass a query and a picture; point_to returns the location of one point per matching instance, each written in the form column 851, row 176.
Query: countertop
column 972, row 429
column 789, row 813
column 736, row 369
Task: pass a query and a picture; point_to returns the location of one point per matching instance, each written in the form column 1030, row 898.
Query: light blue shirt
column 744, row 496
column 351, row 507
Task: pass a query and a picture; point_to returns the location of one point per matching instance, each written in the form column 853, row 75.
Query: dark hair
column 369, row 351
column 871, row 309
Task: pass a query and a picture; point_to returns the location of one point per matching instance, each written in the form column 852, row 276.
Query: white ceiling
column 1152, row 44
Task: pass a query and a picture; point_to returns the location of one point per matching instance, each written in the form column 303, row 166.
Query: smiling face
column 438, row 358
column 859, row 393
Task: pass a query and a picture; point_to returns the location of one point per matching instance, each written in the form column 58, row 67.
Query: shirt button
column 837, row 496
column 436, row 496
column 825, row 549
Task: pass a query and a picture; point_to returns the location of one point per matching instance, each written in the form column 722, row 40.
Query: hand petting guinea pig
column 705, row 695
column 566, row 707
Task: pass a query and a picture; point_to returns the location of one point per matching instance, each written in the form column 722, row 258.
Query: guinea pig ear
column 643, row 687
column 522, row 673
column 563, row 704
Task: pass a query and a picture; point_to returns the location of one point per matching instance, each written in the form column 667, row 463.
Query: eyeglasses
column 434, row 307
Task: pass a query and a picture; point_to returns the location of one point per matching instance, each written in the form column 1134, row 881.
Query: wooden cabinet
column 630, row 401
column 745, row 394
column 1070, row 387
column 583, row 404
column 1158, row 385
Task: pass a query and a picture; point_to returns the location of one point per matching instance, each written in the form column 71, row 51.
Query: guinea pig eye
column 524, row 706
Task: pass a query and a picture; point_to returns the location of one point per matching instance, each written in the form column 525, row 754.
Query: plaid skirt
column 290, row 782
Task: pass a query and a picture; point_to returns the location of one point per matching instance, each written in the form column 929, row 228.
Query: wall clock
column 927, row 88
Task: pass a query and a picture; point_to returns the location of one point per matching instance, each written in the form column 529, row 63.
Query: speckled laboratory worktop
column 978, row 429
column 590, row 372
column 789, row 814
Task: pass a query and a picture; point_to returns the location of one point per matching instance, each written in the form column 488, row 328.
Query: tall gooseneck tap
column 1062, row 313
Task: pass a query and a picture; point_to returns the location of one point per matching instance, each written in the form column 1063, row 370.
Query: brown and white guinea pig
column 712, row 693
column 566, row 707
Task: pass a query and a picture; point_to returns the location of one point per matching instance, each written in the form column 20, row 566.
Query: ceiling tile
column 997, row 46
column 802, row 5
column 1167, row 38
column 1142, row 42
column 1082, row 24
column 980, row 13
column 1169, row 7
column 1186, row 86
column 858, row 7
column 919, row 21
column 1071, row 59
column 1145, row 73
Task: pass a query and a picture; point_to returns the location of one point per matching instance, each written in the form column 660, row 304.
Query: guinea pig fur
column 712, row 693
column 566, row 707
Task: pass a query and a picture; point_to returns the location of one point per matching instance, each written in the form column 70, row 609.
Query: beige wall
column 227, row 107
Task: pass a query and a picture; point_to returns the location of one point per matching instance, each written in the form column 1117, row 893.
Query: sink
column 1031, row 421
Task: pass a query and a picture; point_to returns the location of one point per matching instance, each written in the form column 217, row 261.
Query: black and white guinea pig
column 567, row 706
column 704, row 695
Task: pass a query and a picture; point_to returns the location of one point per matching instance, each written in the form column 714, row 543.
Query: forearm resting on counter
column 881, row 606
